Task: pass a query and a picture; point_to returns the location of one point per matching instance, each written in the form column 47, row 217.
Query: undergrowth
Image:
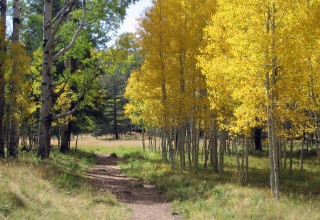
column 204, row 195
column 31, row 188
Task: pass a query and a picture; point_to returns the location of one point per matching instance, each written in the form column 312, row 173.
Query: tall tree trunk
column 271, row 106
column 246, row 165
column 243, row 162
column 155, row 136
column 47, row 75
column 285, row 154
column 222, row 147
column 205, row 150
column 301, row 153
column 189, row 148
column 164, row 146
column 143, row 140
column 3, row 50
column 238, row 173
column 171, row 149
column 213, row 146
column 317, row 135
column 181, row 142
column 280, row 152
column 15, row 78
column 66, row 137
column 115, row 118
column 77, row 138
column 46, row 85
column 291, row 155
column 195, row 143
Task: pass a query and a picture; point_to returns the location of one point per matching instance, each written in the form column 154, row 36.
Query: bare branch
column 61, row 15
column 68, row 47
column 62, row 115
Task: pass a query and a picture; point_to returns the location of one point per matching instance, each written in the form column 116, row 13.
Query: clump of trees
column 219, row 71
column 55, row 69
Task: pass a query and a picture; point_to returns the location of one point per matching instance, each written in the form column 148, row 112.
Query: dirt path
column 143, row 199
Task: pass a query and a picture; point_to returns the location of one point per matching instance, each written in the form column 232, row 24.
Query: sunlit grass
column 205, row 196
column 54, row 189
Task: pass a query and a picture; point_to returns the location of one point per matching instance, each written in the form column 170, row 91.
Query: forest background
column 207, row 78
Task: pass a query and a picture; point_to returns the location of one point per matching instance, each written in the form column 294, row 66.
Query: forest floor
column 141, row 197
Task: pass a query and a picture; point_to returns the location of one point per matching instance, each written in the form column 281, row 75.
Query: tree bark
column 213, row 147
column 143, row 139
column 115, row 118
column 181, row 143
column 46, row 85
column 171, row 149
column 222, row 147
column 66, row 137
column 301, row 153
column 238, row 172
column 205, row 150
column 164, row 146
column 285, row 154
column 246, row 165
column 49, row 35
column 189, row 149
column 77, row 138
column 317, row 135
column 271, row 106
column 291, row 155
column 3, row 50
column 14, row 125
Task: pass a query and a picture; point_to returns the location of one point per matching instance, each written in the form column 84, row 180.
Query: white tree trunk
column 46, row 85
column 246, row 165
column 49, row 34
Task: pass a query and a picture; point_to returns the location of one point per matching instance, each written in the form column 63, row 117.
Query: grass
column 56, row 189
column 53, row 189
column 120, row 150
column 205, row 196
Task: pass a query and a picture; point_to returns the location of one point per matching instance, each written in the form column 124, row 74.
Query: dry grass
column 33, row 189
column 103, row 141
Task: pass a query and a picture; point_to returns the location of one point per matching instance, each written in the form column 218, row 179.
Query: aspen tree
column 49, row 34
column 175, row 90
column 231, row 53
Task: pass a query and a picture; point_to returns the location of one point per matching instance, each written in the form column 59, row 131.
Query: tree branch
column 61, row 15
column 68, row 47
column 62, row 115
column 85, row 88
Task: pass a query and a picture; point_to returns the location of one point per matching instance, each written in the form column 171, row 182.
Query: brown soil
column 142, row 198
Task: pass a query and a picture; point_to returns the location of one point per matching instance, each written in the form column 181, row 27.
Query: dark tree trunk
column 213, row 147
column 258, row 138
column 115, row 119
column 222, row 147
column 3, row 50
column 291, row 155
column 65, row 138
column 14, row 125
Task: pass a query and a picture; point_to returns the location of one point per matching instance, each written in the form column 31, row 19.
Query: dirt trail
column 143, row 199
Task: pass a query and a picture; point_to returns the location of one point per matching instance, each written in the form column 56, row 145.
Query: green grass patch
column 120, row 150
column 204, row 195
